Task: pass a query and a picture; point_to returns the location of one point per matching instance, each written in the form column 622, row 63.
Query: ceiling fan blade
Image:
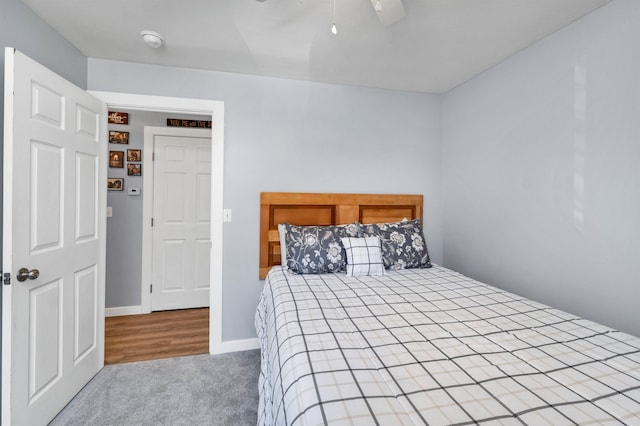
column 392, row 11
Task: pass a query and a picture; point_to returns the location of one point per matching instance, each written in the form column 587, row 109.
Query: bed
column 424, row 345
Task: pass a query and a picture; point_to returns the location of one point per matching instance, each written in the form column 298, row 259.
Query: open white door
column 53, row 241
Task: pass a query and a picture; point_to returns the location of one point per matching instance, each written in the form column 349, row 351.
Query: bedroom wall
column 286, row 135
column 22, row 29
column 541, row 170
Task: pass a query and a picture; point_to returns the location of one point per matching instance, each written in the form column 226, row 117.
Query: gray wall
column 124, row 229
column 541, row 170
column 22, row 29
column 285, row 135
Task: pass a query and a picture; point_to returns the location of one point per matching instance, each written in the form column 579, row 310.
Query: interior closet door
column 181, row 220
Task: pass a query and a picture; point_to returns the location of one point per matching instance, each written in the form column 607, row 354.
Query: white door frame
column 147, row 204
column 215, row 109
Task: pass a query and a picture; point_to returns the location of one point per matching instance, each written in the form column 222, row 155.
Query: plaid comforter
column 431, row 346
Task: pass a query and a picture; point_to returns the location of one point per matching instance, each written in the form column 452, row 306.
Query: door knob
column 24, row 274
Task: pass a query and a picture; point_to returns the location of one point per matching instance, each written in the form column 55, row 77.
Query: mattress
column 432, row 346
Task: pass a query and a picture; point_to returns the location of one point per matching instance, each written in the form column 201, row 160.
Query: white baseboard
column 236, row 346
column 123, row 310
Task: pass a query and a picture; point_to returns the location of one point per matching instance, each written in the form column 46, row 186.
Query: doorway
column 215, row 110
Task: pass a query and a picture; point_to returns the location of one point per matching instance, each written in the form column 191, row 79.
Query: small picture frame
column 115, row 184
column 116, row 136
column 116, row 159
column 134, row 155
column 134, row 169
column 117, row 117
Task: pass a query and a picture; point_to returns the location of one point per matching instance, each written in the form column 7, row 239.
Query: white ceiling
column 438, row 45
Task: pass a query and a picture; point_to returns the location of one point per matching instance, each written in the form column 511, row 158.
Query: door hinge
column 150, row 288
column 7, row 278
column 153, row 156
column 151, row 221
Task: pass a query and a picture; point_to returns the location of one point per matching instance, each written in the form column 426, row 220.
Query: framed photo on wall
column 116, row 136
column 117, row 117
column 115, row 184
column 116, row 159
column 134, row 169
column 134, row 155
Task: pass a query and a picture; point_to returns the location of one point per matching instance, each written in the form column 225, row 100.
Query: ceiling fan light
column 334, row 29
column 378, row 6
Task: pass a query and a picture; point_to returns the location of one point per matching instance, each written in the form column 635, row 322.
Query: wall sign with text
column 175, row 122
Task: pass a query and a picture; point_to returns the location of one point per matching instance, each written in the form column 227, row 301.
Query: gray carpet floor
column 192, row 390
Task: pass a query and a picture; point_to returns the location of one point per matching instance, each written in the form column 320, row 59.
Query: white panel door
column 53, row 241
column 181, row 220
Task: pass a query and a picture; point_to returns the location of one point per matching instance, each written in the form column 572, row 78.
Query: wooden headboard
column 306, row 209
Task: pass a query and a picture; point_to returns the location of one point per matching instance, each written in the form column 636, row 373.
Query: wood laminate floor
column 164, row 334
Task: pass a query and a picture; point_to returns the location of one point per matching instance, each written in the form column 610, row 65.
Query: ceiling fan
column 388, row 11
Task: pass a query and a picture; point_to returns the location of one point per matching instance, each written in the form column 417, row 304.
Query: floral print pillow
column 317, row 249
column 403, row 244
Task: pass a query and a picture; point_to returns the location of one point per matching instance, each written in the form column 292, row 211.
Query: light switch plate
column 226, row 215
column 109, row 211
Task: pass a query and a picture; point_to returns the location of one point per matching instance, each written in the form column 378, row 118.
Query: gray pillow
column 317, row 249
column 403, row 243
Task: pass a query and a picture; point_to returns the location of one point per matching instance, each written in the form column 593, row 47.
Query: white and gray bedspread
column 431, row 346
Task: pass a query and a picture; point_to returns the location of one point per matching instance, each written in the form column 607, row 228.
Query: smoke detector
column 152, row 38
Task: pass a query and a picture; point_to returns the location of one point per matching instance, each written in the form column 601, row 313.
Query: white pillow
column 364, row 256
column 282, row 233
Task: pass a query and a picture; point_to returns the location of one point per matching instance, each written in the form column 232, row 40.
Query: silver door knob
column 24, row 274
